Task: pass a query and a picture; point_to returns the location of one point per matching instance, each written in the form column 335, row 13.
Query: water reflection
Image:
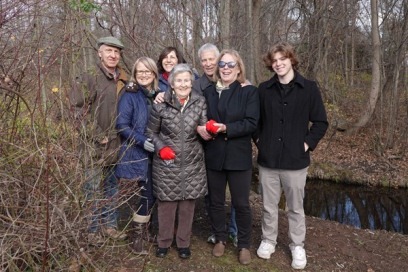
column 363, row 207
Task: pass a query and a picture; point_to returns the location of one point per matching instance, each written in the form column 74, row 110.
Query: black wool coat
column 238, row 109
column 287, row 122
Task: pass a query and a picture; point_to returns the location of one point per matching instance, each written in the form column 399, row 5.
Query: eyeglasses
column 147, row 73
column 230, row 64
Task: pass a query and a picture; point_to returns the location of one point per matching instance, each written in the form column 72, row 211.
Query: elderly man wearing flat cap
column 94, row 99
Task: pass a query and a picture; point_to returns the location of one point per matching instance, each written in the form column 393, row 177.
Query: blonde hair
column 241, row 76
column 151, row 66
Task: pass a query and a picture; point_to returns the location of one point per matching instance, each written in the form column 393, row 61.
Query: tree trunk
column 197, row 17
column 376, row 67
column 250, row 63
column 224, row 18
column 256, row 30
column 399, row 58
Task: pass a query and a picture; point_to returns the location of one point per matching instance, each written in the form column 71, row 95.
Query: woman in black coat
column 233, row 111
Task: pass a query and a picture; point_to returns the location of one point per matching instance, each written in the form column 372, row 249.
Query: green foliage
column 84, row 5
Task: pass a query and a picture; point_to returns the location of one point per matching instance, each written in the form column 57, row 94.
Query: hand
column 148, row 145
column 246, row 83
column 166, row 153
column 215, row 128
column 211, row 127
column 202, row 131
column 159, row 98
column 306, row 147
column 105, row 140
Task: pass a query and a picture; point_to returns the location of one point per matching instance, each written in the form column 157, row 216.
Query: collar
column 205, row 82
column 298, row 79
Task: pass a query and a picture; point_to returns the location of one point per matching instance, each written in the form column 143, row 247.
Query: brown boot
column 149, row 236
column 137, row 240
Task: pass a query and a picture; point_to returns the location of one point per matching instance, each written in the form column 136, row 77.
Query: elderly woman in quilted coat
column 179, row 175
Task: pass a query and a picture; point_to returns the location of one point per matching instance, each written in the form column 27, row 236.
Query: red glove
column 166, row 153
column 210, row 127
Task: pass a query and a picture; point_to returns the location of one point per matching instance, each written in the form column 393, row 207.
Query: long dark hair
column 164, row 53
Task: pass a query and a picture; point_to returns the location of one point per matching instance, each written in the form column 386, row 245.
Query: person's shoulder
column 269, row 82
column 197, row 95
column 306, row 83
column 248, row 87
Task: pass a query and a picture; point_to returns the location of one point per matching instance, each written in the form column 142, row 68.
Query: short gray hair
column 208, row 47
column 178, row 69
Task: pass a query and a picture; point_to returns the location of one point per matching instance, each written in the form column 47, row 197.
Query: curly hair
column 285, row 49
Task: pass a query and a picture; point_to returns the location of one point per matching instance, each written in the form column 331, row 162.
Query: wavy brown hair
column 285, row 49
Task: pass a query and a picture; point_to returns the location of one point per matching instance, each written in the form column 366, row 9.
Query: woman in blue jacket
column 136, row 149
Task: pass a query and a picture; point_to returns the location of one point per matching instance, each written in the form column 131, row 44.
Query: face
column 227, row 74
column 282, row 65
column 144, row 76
column 109, row 55
column 182, row 84
column 209, row 62
column 169, row 61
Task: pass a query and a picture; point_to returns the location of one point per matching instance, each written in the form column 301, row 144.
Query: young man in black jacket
column 289, row 103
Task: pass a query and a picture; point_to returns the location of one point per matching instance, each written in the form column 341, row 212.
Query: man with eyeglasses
column 94, row 101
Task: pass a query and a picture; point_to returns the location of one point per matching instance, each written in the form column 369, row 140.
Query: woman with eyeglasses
column 135, row 153
column 233, row 113
column 179, row 176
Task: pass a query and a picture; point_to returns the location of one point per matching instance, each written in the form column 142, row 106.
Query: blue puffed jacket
column 131, row 123
column 164, row 85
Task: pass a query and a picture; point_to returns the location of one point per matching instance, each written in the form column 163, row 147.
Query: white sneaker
column 265, row 250
column 299, row 257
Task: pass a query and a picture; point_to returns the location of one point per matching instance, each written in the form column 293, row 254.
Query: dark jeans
column 232, row 227
column 239, row 183
column 101, row 200
column 147, row 199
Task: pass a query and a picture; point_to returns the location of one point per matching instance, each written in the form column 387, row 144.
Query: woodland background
column 355, row 49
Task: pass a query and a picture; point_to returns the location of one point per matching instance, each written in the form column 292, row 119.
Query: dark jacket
column 284, row 123
column 202, row 83
column 94, row 102
column 238, row 109
column 185, row 178
column 164, row 85
column 131, row 123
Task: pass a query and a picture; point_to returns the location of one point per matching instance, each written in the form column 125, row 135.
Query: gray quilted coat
column 185, row 178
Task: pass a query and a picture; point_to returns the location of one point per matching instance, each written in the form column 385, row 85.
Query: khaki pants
column 166, row 212
column 293, row 184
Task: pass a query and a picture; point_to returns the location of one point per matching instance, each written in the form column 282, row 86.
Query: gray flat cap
column 111, row 41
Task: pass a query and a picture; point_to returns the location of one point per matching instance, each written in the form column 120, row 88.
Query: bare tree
column 376, row 70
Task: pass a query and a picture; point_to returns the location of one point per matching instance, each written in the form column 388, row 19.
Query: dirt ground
column 330, row 246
